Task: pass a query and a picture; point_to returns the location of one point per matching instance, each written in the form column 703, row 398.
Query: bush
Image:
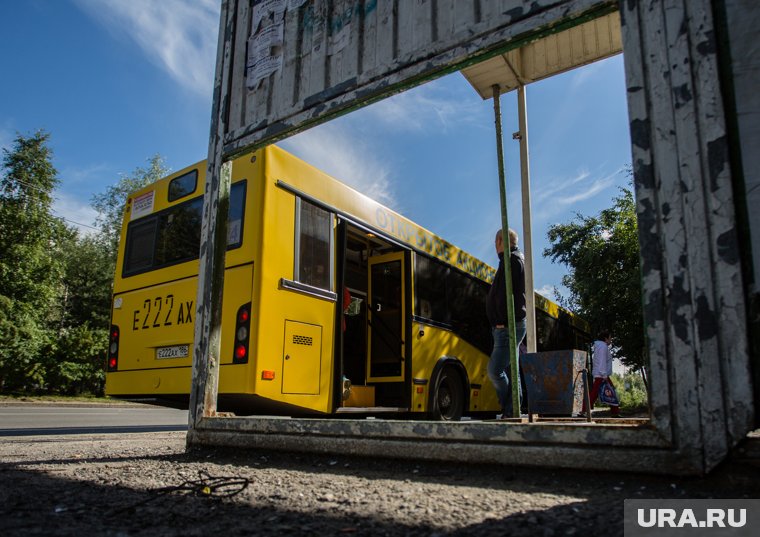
column 21, row 341
column 75, row 361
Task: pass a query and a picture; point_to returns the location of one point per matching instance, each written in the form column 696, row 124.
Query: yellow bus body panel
column 144, row 329
column 302, row 379
column 437, row 343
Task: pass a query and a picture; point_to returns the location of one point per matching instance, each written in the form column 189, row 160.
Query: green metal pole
column 507, row 265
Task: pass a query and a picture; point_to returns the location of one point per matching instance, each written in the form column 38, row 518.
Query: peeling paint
column 640, row 133
column 717, row 157
column 705, row 317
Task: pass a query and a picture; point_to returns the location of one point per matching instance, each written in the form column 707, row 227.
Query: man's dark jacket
column 496, row 303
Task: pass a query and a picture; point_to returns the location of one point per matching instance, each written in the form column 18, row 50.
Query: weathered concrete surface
column 107, row 485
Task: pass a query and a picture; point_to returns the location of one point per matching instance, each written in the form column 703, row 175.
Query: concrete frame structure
column 689, row 102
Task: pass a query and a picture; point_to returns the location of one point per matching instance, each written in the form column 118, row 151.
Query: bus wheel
column 448, row 401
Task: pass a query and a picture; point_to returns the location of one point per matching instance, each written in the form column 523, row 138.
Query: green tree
column 110, row 204
column 21, row 341
column 602, row 253
column 86, row 285
column 29, row 234
column 30, row 259
column 74, row 361
column 75, row 356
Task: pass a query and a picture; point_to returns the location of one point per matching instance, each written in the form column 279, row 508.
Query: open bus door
column 386, row 352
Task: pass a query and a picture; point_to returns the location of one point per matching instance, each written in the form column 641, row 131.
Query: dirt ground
column 147, row 484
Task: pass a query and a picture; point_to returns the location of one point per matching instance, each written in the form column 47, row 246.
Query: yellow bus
column 332, row 303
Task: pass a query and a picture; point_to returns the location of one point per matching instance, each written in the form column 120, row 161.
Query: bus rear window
column 173, row 235
column 140, row 244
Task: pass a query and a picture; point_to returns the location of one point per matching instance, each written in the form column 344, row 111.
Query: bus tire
column 448, row 398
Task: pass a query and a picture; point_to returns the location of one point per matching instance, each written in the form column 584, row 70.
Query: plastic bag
column 354, row 307
column 608, row 395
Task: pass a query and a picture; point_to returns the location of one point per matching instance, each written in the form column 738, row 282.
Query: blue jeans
column 499, row 370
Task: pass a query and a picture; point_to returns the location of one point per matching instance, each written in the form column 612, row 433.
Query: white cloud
column 76, row 212
column 85, row 175
column 552, row 189
column 335, row 149
column 597, row 186
column 585, row 73
column 432, row 107
column 177, row 35
column 582, row 186
column 546, row 291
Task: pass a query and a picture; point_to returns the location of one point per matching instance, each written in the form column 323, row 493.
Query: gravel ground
column 147, row 484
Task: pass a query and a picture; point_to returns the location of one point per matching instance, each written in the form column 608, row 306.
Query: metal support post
column 514, row 377
column 216, row 200
column 530, row 297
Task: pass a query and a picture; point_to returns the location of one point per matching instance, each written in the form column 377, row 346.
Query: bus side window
column 236, row 214
column 545, row 331
column 313, row 245
column 429, row 289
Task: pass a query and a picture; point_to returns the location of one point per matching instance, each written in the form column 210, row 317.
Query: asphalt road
column 52, row 419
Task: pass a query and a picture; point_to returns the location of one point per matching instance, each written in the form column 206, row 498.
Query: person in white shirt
column 602, row 369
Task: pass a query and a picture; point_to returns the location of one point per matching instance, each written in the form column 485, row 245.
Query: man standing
column 496, row 308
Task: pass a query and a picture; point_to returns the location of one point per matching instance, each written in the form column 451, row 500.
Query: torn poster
column 272, row 10
column 264, row 53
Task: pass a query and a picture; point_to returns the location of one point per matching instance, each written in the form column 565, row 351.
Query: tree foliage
column 29, row 235
column 110, row 204
column 73, row 362
column 21, row 342
column 602, row 253
column 55, row 284
column 30, row 261
column 86, row 283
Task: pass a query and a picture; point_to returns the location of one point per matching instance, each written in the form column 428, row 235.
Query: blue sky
column 118, row 81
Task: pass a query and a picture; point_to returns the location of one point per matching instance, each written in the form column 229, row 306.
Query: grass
column 31, row 398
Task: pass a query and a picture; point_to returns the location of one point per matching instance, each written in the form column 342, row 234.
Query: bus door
column 386, row 318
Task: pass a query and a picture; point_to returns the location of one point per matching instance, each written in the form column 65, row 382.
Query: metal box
column 554, row 380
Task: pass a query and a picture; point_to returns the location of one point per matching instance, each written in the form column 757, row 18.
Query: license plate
column 177, row 351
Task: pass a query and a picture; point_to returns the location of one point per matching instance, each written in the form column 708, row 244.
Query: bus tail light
column 113, row 349
column 242, row 334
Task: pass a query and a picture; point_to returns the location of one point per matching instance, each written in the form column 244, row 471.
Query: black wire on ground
column 205, row 486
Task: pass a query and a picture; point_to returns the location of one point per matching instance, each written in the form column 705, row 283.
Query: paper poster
column 233, row 232
column 295, row 4
column 142, row 205
column 264, row 53
column 267, row 9
column 265, row 43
